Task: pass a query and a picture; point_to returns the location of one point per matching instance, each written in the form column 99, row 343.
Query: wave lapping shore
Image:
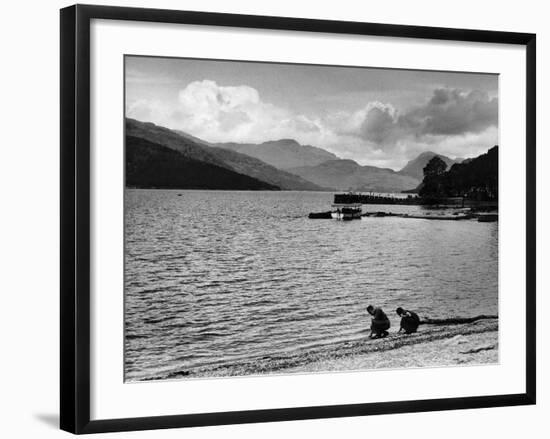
column 470, row 340
column 464, row 346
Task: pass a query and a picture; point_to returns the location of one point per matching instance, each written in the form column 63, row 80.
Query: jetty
column 464, row 208
column 446, row 217
column 457, row 216
column 414, row 200
column 351, row 197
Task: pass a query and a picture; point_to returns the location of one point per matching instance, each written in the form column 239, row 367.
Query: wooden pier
column 387, row 199
column 413, row 200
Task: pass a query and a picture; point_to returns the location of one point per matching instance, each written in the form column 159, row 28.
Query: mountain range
column 184, row 161
column 151, row 165
column 346, row 175
column 221, row 158
column 283, row 154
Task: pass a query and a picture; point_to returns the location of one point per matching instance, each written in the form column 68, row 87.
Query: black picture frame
column 75, row 217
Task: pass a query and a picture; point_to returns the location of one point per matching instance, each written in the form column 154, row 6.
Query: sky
column 375, row 116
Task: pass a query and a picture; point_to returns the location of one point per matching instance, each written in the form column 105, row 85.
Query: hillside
column 349, row 175
column 150, row 165
column 253, row 167
column 283, row 154
column 414, row 168
column 476, row 178
column 197, row 149
column 170, row 139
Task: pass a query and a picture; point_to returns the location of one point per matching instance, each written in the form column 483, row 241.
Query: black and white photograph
column 294, row 218
column 275, row 219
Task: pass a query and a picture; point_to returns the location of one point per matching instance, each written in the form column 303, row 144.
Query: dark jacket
column 410, row 321
column 380, row 321
column 379, row 314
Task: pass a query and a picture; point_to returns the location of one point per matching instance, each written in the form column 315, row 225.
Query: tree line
column 475, row 179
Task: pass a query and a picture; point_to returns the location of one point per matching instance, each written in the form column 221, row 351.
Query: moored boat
column 347, row 212
column 320, row 215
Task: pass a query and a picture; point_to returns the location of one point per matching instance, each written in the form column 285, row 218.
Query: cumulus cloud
column 204, row 105
column 147, row 110
column 454, row 112
column 451, row 121
column 379, row 124
column 447, row 113
column 219, row 113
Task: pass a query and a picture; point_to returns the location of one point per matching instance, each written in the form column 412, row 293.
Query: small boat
column 320, row 215
column 347, row 212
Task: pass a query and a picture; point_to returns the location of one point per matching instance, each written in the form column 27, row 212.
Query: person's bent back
column 379, row 322
column 409, row 320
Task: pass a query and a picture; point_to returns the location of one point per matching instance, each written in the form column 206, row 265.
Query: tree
column 435, row 167
column 475, row 178
column 433, row 172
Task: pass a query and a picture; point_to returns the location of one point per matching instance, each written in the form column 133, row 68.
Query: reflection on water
column 212, row 277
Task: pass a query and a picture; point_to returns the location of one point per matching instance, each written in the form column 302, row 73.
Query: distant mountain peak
column 286, row 142
column 415, row 167
column 346, row 174
column 426, row 154
column 283, row 153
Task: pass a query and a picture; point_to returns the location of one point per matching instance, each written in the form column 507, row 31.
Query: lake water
column 214, row 279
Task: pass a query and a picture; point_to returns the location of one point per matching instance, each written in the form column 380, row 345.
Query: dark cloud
column 440, row 97
column 448, row 112
column 378, row 125
column 452, row 112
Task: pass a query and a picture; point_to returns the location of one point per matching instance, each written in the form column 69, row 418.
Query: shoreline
column 434, row 345
column 476, row 348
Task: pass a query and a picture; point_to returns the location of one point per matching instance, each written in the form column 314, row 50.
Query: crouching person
column 409, row 320
column 379, row 322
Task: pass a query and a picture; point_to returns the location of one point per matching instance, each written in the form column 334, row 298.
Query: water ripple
column 214, row 278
